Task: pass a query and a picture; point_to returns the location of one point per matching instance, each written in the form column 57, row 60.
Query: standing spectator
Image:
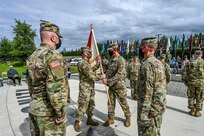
column 132, row 74
column 116, row 75
column 193, row 77
column 48, row 85
column 185, row 61
column 13, row 75
column 178, row 64
column 192, row 58
column 151, row 90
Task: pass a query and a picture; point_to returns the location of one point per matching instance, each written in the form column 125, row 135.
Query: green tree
column 23, row 42
column 5, row 49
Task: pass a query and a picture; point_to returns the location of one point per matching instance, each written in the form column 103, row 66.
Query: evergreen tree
column 23, row 42
column 5, row 49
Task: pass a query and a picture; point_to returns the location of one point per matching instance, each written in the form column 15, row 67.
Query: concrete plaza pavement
column 14, row 101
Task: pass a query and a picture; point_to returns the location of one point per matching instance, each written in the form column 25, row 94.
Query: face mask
column 110, row 53
column 141, row 54
column 59, row 44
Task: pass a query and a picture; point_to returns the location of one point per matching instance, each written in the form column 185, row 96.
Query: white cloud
column 113, row 20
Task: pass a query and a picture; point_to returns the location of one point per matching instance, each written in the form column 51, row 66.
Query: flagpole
column 101, row 67
column 158, row 44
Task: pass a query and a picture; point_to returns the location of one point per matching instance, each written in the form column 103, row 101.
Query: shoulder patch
column 55, row 63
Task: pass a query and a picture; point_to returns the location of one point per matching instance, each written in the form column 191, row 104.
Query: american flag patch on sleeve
column 55, row 63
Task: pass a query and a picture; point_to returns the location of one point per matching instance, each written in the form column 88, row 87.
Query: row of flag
column 165, row 44
column 129, row 46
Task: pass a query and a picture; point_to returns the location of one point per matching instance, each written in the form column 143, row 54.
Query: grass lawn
column 72, row 57
column 4, row 68
column 73, row 69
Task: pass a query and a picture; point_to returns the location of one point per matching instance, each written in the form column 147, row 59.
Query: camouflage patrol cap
column 113, row 46
column 86, row 49
column 150, row 41
column 163, row 56
column 47, row 26
column 198, row 52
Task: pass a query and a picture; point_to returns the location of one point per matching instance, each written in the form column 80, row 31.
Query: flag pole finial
column 91, row 26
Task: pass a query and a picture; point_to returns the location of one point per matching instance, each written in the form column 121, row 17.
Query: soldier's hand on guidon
column 104, row 81
column 99, row 59
column 60, row 120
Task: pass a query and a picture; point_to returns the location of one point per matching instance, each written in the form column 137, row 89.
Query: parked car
column 74, row 62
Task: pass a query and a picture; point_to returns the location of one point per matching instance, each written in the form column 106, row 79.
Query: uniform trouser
column 133, row 85
column 195, row 97
column 86, row 102
column 151, row 130
column 45, row 126
column 120, row 95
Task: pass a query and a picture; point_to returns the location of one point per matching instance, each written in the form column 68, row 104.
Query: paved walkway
column 176, row 121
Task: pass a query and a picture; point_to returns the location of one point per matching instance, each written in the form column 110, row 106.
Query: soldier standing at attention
column 48, row 84
column 193, row 77
column 132, row 74
column 167, row 68
column 86, row 102
column 168, row 58
column 116, row 75
column 151, row 90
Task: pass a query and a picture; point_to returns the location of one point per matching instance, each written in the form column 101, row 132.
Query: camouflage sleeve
column 168, row 73
column 128, row 72
column 95, row 67
column 30, row 88
column 120, row 75
column 184, row 74
column 56, row 86
column 88, row 72
column 148, row 92
column 105, row 64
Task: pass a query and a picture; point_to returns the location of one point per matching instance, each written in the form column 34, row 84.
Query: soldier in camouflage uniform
column 86, row 101
column 168, row 58
column 151, row 90
column 48, row 84
column 193, row 77
column 167, row 68
column 116, row 75
column 132, row 74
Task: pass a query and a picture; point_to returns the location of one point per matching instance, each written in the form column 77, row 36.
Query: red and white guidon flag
column 93, row 46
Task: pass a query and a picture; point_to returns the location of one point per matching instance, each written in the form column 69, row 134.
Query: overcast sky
column 112, row 19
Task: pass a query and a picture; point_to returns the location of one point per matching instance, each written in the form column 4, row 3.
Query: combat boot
column 134, row 98
column 127, row 122
column 77, row 126
column 197, row 113
column 90, row 121
column 192, row 111
column 109, row 122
